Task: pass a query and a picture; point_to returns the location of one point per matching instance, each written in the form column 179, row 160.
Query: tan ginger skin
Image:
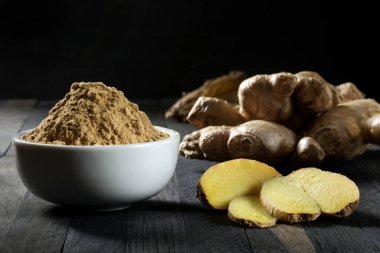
column 338, row 135
column 344, row 131
column 285, row 98
column 224, row 87
column 257, row 139
column 304, row 103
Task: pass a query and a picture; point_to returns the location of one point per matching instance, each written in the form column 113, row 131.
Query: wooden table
column 173, row 220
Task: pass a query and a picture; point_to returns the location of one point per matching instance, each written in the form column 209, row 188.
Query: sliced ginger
column 287, row 201
column 248, row 211
column 335, row 194
column 256, row 194
column 224, row 181
column 306, row 193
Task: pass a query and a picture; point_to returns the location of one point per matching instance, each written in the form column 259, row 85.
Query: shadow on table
column 153, row 207
column 363, row 169
column 357, row 219
column 82, row 223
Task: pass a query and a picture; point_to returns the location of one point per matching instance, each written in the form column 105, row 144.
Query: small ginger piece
column 256, row 139
column 348, row 91
column 308, row 152
column 267, row 97
column 224, row 181
column 224, row 87
column 313, row 94
column 344, row 131
column 287, row 201
column 306, row 193
column 206, row 112
column 334, row 193
column 248, row 211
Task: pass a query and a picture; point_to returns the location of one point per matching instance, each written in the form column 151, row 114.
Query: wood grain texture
column 365, row 172
column 12, row 193
column 96, row 232
column 12, row 116
column 157, row 225
column 40, row 226
column 282, row 237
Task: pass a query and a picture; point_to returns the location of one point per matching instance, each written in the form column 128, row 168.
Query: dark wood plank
column 96, row 232
column 40, row 226
column 337, row 235
column 282, row 237
column 365, row 172
column 12, row 116
column 12, row 193
column 157, row 225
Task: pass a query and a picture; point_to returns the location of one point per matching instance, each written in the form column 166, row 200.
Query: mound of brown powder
column 94, row 114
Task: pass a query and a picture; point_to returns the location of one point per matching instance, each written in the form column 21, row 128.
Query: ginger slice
column 306, row 193
column 248, row 211
column 287, row 201
column 225, row 181
column 335, row 194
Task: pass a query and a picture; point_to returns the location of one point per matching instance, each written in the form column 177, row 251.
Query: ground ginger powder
column 94, row 114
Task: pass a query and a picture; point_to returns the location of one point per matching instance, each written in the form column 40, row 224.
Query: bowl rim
column 173, row 135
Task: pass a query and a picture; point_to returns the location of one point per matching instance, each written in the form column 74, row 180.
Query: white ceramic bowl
column 98, row 177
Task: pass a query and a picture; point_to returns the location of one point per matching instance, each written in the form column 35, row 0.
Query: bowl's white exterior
column 99, row 177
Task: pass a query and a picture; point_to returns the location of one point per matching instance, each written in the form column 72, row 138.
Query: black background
column 152, row 48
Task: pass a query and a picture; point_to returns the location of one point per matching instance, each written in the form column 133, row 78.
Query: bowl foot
column 111, row 209
column 99, row 209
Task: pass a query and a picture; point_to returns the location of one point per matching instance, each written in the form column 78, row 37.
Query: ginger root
column 224, row 87
column 206, row 112
column 248, row 211
column 307, row 193
column 224, row 181
column 308, row 152
column 257, row 139
column 278, row 96
column 267, row 97
column 336, row 136
column 285, row 98
column 333, row 123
